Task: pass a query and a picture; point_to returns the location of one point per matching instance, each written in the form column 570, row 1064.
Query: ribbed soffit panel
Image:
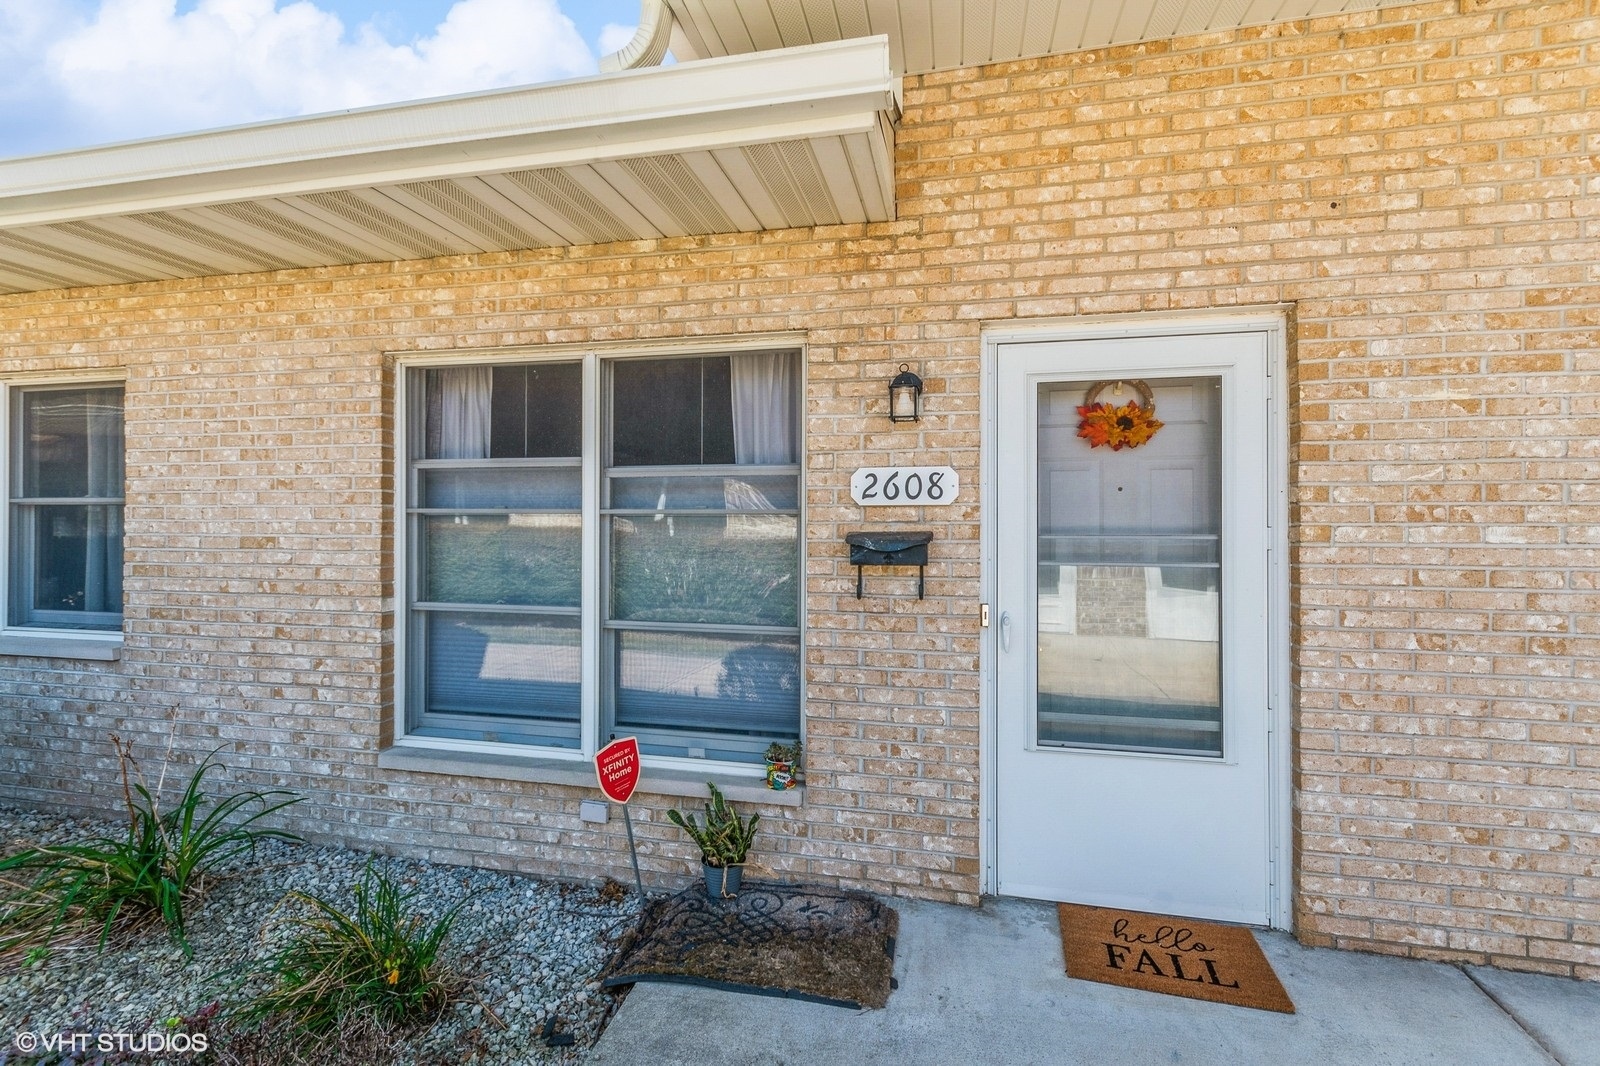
column 814, row 147
column 929, row 35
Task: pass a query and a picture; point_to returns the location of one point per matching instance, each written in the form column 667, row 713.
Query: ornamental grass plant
column 155, row 870
column 375, row 964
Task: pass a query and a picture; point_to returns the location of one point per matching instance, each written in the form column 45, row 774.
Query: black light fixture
column 905, row 396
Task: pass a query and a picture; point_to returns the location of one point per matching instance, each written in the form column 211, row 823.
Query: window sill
column 580, row 774
column 61, row 648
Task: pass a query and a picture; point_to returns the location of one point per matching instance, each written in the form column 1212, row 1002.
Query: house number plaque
column 904, row 486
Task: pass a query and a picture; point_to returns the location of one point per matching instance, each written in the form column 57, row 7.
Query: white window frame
column 42, row 641
column 594, row 427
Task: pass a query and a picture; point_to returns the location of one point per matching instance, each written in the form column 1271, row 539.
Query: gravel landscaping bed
column 530, row 950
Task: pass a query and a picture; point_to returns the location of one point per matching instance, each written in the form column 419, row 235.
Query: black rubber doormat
column 815, row 944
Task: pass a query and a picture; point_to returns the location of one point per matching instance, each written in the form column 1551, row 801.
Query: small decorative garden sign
column 617, row 767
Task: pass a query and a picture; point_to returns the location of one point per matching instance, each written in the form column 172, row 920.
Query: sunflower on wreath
column 1119, row 426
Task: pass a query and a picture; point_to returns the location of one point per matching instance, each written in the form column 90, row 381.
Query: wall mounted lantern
column 905, row 396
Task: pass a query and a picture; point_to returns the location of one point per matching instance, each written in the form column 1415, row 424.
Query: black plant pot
column 722, row 881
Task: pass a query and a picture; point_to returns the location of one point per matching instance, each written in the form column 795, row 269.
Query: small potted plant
column 783, row 761
column 724, row 840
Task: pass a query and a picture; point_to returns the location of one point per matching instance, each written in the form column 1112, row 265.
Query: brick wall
column 1421, row 184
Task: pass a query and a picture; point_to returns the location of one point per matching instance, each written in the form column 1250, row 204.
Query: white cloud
column 484, row 43
column 135, row 68
column 26, row 29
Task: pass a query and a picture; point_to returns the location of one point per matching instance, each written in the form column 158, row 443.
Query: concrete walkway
column 980, row 986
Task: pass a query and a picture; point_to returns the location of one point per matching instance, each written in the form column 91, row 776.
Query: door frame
column 1273, row 322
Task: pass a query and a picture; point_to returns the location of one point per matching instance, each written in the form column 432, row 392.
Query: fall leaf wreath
column 1119, row 426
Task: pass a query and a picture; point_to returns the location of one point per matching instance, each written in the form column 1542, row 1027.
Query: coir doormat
column 1178, row 956
column 772, row 940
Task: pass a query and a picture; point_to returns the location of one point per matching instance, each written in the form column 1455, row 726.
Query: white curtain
column 465, row 393
column 765, row 414
column 104, row 439
column 103, row 539
column 766, row 431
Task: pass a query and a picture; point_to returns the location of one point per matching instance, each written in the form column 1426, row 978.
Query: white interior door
column 1134, row 763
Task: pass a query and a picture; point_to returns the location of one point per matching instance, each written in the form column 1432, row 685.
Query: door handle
column 1005, row 630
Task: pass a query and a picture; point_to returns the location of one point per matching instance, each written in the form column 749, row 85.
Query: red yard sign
column 617, row 767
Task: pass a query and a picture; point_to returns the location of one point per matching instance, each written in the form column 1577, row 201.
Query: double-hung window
column 677, row 479
column 64, row 524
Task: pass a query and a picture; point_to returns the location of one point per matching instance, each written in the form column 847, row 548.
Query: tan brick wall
column 1421, row 183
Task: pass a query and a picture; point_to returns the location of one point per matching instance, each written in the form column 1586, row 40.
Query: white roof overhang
column 929, row 35
column 794, row 137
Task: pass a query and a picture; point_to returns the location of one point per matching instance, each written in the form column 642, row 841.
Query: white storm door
column 1133, row 588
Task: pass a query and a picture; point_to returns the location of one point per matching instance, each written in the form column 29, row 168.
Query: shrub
column 154, row 870
column 377, row 962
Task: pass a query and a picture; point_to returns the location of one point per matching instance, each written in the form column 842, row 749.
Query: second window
column 694, row 614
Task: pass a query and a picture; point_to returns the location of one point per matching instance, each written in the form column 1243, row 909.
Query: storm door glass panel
column 1130, row 575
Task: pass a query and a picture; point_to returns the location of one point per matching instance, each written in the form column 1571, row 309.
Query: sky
column 84, row 72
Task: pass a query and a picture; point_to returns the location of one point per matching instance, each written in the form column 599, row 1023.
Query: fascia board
column 809, row 91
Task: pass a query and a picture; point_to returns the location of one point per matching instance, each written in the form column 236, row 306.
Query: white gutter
column 813, row 90
column 650, row 41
